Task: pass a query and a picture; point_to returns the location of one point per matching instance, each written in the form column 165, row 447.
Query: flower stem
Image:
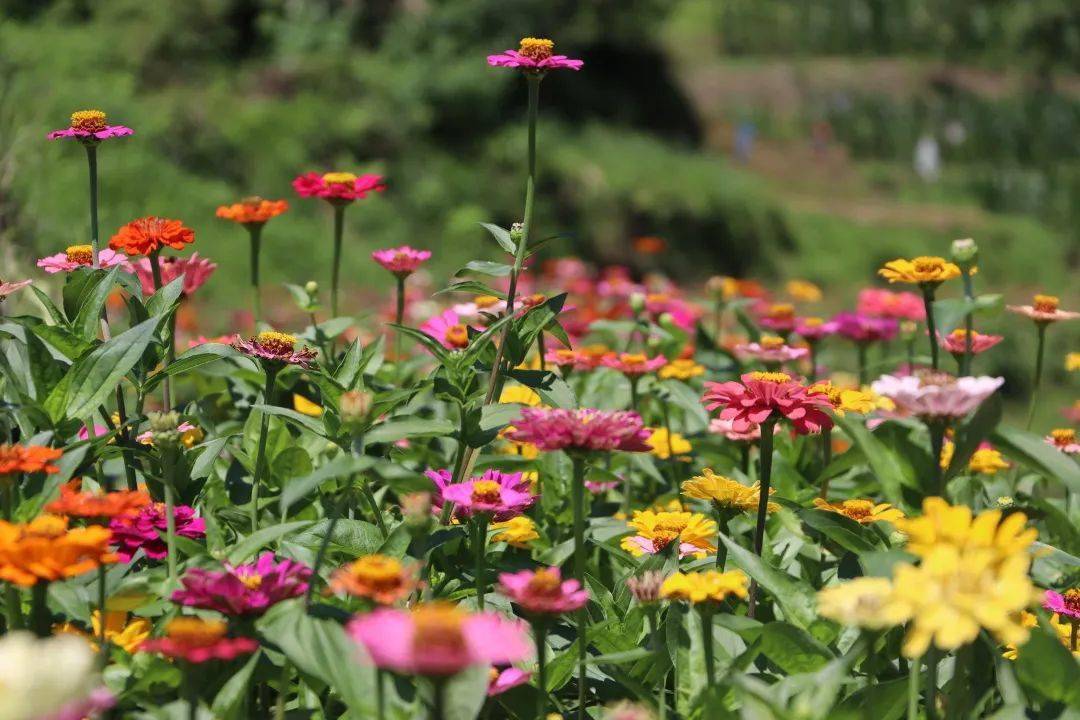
column 91, row 161
column 540, row 634
column 438, row 699
column 860, row 349
column 707, row 642
column 479, row 547
column 255, row 234
column 937, row 443
column 260, row 455
column 813, row 362
column 914, row 675
column 102, row 642
column 170, row 531
column 39, row 612
column 721, row 530
column 166, row 386
column 969, row 295
column 765, row 459
column 653, row 620
column 399, row 316
column 578, row 502
column 339, row 229
column 931, row 324
column 931, row 683
column 283, row 691
column 320, row 555
column 1040, row 348
column 380, row 693
column 826, row 458
column 369, row 497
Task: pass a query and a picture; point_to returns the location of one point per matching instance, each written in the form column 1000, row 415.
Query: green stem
column 578, row 502
column 260, row 455
column 320, row 555
column 969, row 294
column 480, row 548
column 373, row 504
column 102, row 642
column 765, row 460
column 721, row 530
column 255, row 235
column 438, row 700
column 283, row 692
column 399, row 316
column 170, row 530
column 813, row 362
column 540, row 634
column 861, row 348
column 12, row 601
column 826, row 459
column 380, row 693
column 657, row 639
column 95, row 242
column 339, row 230
column 931, row 683
column 707, row 642
column 166, row 385
column 1040, row 348
column 914, row 675
column 931, row 324
column 937, row 443
column 41, row 619
column 124, row 440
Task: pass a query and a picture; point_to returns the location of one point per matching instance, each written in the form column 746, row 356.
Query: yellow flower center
column 536, row 48
column 856, row 509
column 82, row 254
column 486, row 301
column 339, row 178
column 486, row 491
column 1072, row 599
column 277, row 342
column 1063, row 436
column 88, row 120
column 251, row 582
column 961, row 334
column 928, row 265
column 771, row 342
column 457, row 335
column 813, row 322
column 195, row 632
column 252, row 201
column 633, row 358
column 377, row 571
column 782, row 311
column 545, row 582
column 772, row 377
column 438, row 626
column 1046, row 303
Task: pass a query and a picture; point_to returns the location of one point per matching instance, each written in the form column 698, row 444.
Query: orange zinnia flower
column 27, row 459
column 97, row 505
column 45, row 549
column 378, row 577
column 252, row 210
column 149, row 234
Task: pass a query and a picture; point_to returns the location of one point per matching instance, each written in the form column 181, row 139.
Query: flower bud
column 164, row 429
column 355, row 406
column 666, row 321
column 1004, row 502
column 311, row 287
column 517, row 231
column 645, row 588
column 908, row 329
column 964, row 250
column 637, row 302
column 416, row 510
column 626, row 710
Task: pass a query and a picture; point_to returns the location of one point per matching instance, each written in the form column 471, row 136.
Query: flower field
column 540, row 490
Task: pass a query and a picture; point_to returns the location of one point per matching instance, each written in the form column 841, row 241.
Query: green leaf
column 433, row 345
column 1046, row 668
column 1031, row 450
column 194, row 358
column 844, row 531
column 231, row 700
column 394, row 430
column 68, row 343
column 341, row 466
column 882, row 700
column 949, row 314
column 474, row 287
column 795, row 597
column 87, row 323
column 502, row 237
column 974, row 431
column 297, row 418
column 466, row 693
column 255, row 542
column 94, row 377
column 485, row 267
column 792, row 648
column 50, row 307
column 882, row 462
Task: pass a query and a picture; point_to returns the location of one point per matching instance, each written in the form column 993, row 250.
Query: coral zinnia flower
column 197, row 641
column 196, row 271
column 337, row 188
column 1044, row 309
column 276, row 347
column 864, row 328
column 402, row 261
column 97, row 505
column 28, row 459
column 438, row 639
column 956, row 342
column 518, row 531
column 925, row 271
column 496, row 494
column 727, row 428
column 935, row 394
column 45, row 550
column 711, row 586
column 582, row 429
column 534, row 55
column 150, row 234
column 543, row 591
column 1066, row 604
column 249, row 589
column 90, row 126
column 770, row 349
column 380, row 578
column 681, row 369
column 861, row 511
column 764, row 396
column 634, row 364
column 665, row 444
column 145, row 530
column 7, row 288
column 448, row 330
column 944, row 524
column 657, row 530
column 77, row 256
column 1064, row 439
column 252, row 211
column 565, row 358
column 725, row 493
column 879, row 303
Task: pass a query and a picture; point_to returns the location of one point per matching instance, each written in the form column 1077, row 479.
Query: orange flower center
column 377, row 571
column 545, row 582
column 82, row 254
column 339, row 178
column 813, row 322
column 1072, row 599
column 536, row 48
column 438, row 626
column 457, row 335
column 486, row 301
column 961, row 334
column 928, row 265
column 1046, row 303
column 633, row 359
column 486, row 491
column 251, row 582
column 276, row 342
column 782, row 311
column 195, row 632
column 88, row 120
column 1063, row 436
column 857, row 509
column 772, row 377
column 771, row 342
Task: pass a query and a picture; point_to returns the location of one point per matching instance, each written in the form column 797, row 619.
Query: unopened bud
column 908, row 329
column 666, row 320
column 637, row 302
column 1005, row 501
column 645, row 588
column 311, row 287
column 717, row 286
column 416, row 510
column 517, row 231
column 355, row 405
column 164, row 429
column 964, row 250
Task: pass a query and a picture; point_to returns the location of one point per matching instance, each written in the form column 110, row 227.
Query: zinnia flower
column 520, row 394
column 752, row 433
column 944, row 524
column 583, row 429
column 814, row 329
column 402, row 261
column 1064, row 439
column 925, row 271
column 690, row 533
column 1044, row 309
column 119, row 631
column 864, row 602
column 681, row 369
column 149, row 235
column 778, row 317
column 77, row 256
column 845, row 400
column 499, row 495
column 7, row 288
column 875, row 302
column 864, row 328
column 931, row 395
column 438, row 639
column 276, row 347
column 770, row 350
column 803, row 291
column 725, row 493
column 956, row 342
column 145, row 530
column 574, row 359
column 762, row 396
column 97, row 505
column 543, row 591
column 710, row 586
column 448, row 330
column 45, row 550
column 189, row 435
column 665, row 444
column 535, row 55
column 90, row 127
column 338, row 188
column 197, row 640
column 28, row 459
column 518, row 531
column 645, row 588
column 52, row 678
column 861, row 511
column 249, row 589
column 502, row 680
column 987, row 460
column 196, row 271
column 252, row 210
column 380, row 578
column 634, row 364
column 1066, row 604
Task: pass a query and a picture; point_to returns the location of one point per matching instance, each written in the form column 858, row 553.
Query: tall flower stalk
column 1043, row 311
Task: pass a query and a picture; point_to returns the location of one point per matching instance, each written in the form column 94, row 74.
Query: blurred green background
column 771, row 138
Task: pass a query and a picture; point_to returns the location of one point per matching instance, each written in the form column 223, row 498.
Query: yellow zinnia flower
column 862, row 511
column 844, row 400
column 865, row 602
column 306, row 407
column 944, row 524
column 924, row 270
column 681, row 370
column 118, row 631
column 656, row 531
column 709, row 586
column 519, row 531
column 665, row 445
column 803, row 290
column 987, row 460
column 519, row 394
column 947, row 450
column 1072, row 361
column 1029, row 620
column 725, row 493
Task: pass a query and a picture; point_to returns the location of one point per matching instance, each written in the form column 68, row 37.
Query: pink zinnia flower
column 276, row 347
column 337, row 188
column 765, row 395
column 243, row 589
column 78, row 256
column 438, row 639
column 448, row 330
column 480, row 308
column 402, row 261
column 502, row 496
column 936, row 395
column 633, row 364
column 956, row 341
column 726, row 428
column 196, row 271
column 543, row 591
column 197, row 641
column 582, row 429
column 598, row 486
column 1066, row 604
column 534, row 55
column 564, row 357
column 1044, row 309
column 7, row 288
column 1064, row 439
column 682, row 313
column 779, row 317
column 865, row 328
column 99, row 430
column 876, row 302
column 89, row 126
column 770, row 349
column 219, row 340
column 98, row 701
column 145, row 530
column 814, row 329
column 507, row 679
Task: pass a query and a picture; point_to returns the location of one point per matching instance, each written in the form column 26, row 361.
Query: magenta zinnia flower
column 438, row 639
column 500, row 495
column 1066, row 604
column 196, row 640
column 814, row 329
column 78, row 256
column 243, row 589
column 506, row 679
column 276, row 347
column 768, row 395
column 448, row 330
column 402, row 261
column 338, row 188
column 534, row 55
column 936, row 395
column 89, row 126
column 543, row 591
column 145, row 530
column 196, row 271
column 875, row 302
column 633, row 364
column 865, row 328
column 582, row 429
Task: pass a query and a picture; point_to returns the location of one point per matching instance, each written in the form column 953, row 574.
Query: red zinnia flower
column 28, row 459
column 252, row 210
column 149, row 234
